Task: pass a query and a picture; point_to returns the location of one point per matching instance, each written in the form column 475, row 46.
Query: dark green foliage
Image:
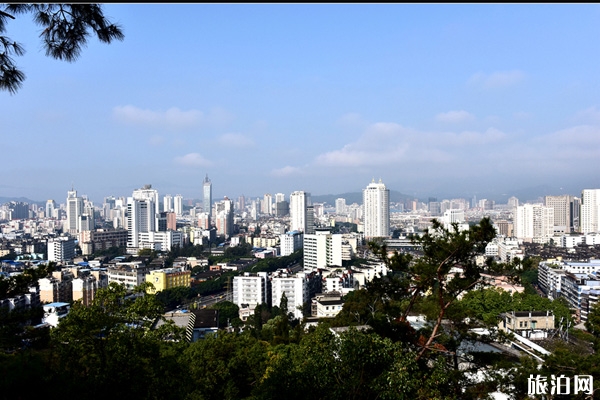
column 65, row 29
column 228, row 311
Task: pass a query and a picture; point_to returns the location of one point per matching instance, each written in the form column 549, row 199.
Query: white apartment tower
column 168, row 203
column 267, row 204
column 534, row 223
column 251, row 290
column 376, row 210
column 299, row 201
column 340, row 206
column 279, row 197
column 590, row 210
column 74, row 212
column 322, row 249
column 178, row 205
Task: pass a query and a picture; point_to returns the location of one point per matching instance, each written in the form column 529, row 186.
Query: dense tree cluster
column 370, row 351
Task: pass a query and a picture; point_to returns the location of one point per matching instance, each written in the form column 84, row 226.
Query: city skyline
column 431, row 99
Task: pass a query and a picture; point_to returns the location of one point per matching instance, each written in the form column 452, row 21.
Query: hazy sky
column 430, row 98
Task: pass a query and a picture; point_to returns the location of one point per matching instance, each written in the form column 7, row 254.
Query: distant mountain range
column 4, row 200
column 356, row 197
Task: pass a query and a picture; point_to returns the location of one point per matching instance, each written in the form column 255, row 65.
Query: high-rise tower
column 142, row 209
column 178, row 205
column 299, row 203
column 74, row 211
column 376, row 210
column 590, row 210
column 207, row 191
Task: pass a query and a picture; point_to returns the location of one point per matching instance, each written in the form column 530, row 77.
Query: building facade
column 376, row 210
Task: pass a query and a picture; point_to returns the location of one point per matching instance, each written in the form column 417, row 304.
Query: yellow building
column 168, row 278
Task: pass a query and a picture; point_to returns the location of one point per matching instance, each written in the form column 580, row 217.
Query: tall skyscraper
column 168, row 203
column 590, row 210
column 141, row 214
column 50, row 206
column 267, row 204
column 74, row 212
column 299, row 201
column 340, row 206
column 207, row 191
column 178, row 205
column 224, row 217
column 376, row 210
column 565, row 212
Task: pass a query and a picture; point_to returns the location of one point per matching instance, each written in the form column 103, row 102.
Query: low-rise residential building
column 168, row 278
column 529, row 324
column 249, row 290
column 327, row 305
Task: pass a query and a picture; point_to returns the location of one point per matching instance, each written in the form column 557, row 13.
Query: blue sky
column 433, row 99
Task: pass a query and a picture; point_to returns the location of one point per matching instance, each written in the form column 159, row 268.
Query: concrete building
column 326, row 305
column 207, row 196
column 296, row 291
column 178, row 205
column 322, row 249
column 74, row 212
column 291, row 242
column 141, row 214
column 299, row 203
column 61, row 249
column 168, row 203
column 249, row 290
column 168, row 278
column 566, row 213
column 590, row 210
column 57, row 288
column 86, row 285
column 534, row 223
column 376, row 210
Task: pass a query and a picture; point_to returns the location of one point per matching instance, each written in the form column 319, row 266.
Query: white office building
column 141, row 214
column 74, row 212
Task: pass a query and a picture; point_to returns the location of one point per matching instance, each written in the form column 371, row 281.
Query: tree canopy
column 65, row 32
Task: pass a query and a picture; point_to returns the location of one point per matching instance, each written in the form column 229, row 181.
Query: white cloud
column 390, row 144
column 235, row 140
column 455, row 116
column 589, row 114
column 192, row 160
column 286, row 171
column 523, row 115
column 173, row 118
column 497, row 79
column 351, row 120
